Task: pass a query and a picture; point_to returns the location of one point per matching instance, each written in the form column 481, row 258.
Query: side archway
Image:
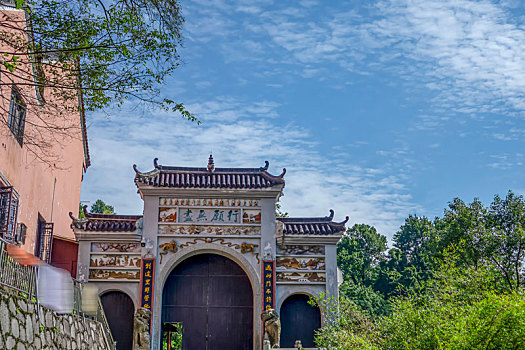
column 299, row 321
column 119, row 310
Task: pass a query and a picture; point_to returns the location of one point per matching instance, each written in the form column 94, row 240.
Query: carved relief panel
column 301, row 277
column 297, row 263
column 118, row 261
column 209, row 216
column 301, row 250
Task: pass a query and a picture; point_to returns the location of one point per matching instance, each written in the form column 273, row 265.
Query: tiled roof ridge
column 308, row 219
column 315, row 225
column 167, row 168
column 105, row 222
column 259, row 177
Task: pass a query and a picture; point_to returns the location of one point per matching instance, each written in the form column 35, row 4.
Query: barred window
column 8, row 213
column 44, row 240
column 17, row 115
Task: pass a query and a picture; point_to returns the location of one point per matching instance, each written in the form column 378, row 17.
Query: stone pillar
column 149, row 238
column 331, row 271
column 84, row 249
column 268, row 228
column 150, row 225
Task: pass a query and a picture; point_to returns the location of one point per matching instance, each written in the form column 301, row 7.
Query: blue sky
column 378, row 109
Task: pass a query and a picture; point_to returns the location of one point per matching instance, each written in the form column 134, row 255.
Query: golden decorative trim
column 243, row 247
column 167, row 248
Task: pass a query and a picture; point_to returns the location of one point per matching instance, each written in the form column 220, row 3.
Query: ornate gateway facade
column 207, row 257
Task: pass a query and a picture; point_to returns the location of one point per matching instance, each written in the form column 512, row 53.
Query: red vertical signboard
column 147, row 280
column 268, row 284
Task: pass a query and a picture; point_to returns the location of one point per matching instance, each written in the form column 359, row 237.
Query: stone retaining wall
column 22, row 327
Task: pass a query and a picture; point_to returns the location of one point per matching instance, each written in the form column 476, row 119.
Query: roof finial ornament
column 331, row 216
column 282, row 174
column 344, row 222
column 211, row 164
column 266, row 166
column 155, row 163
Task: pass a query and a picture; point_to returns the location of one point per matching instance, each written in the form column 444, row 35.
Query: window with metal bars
column 17, row 115
column 44, row 240
column 8, row 213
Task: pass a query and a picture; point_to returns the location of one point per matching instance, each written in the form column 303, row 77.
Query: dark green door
column 212, row 297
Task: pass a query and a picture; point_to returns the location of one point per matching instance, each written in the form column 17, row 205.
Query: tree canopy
column 109, row 51
column 455, row 282
column 100, row 207
column 479, row 235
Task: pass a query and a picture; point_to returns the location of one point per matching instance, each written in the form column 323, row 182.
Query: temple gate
column 208, row 255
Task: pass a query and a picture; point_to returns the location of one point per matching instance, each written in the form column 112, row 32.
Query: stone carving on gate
column 209, row 230
column 244, row 247
column 272, row 327
column 167, row 214
column 301, row 277
column 301, row 250
column 297, row 263
column 114, row 260
column 141, row 329
column 101, row 274
column 115, row 247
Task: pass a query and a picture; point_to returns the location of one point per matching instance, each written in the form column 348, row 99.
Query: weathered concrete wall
column 22, row 328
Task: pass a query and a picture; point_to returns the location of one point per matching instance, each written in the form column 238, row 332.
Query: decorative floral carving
column 301, row 250
column 115, row 247
column 244, row 247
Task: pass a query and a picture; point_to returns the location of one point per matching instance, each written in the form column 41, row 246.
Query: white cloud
column 470, row 53
column 314, row 183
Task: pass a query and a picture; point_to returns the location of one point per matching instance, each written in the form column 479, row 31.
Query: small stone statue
column 141, row 334
column 267, row 252
column 272, row 327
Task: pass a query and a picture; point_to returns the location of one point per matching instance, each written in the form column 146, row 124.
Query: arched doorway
column 299, row 321
column 119, row 311
column 213, row 299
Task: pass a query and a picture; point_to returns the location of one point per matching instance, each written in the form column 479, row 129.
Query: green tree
column 464, row 225
column 462, row 307
column 105, row 51
column 505, row 241
column 411, row 262
column 417, row 240
column 359, row 253
column 100, row 207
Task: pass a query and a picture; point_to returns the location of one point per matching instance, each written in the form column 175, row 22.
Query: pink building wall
column 48, row 180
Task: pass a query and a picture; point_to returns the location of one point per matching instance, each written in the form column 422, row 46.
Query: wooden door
column 212, row 297
column 299, row 320
column 119, row 311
